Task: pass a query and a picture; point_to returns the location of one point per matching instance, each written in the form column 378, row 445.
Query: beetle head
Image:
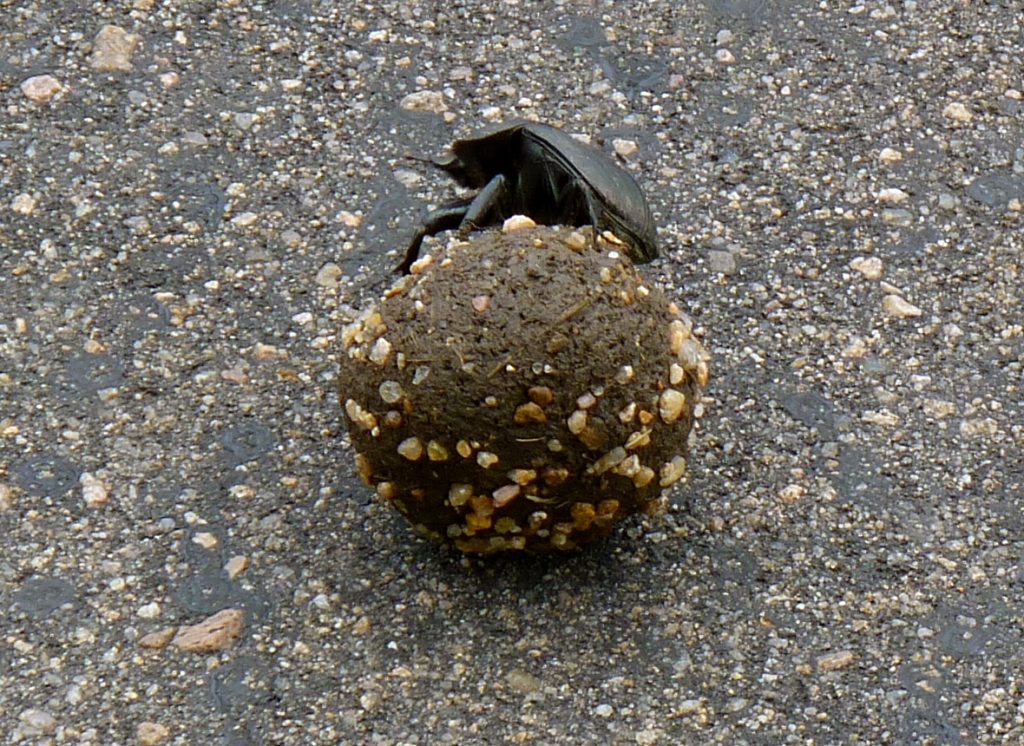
column 457, row 169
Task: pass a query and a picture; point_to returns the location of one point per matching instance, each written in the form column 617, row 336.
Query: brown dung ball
column 523, row 391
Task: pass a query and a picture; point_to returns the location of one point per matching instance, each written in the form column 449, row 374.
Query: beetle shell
column 549, row 173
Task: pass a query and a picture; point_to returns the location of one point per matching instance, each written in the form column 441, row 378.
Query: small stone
column 265, row 352
column 625, row 148
column 938, row 409
column 390, row 392
column 638, row 439
column 958, row 112
column 604, row 710
column 6, row 497
column 349, row 219
column 244, row 120
column 138, row 224
column 522, row 682
column 671, row 472
column 835, row 661
column 236, row 566
column 411, row 449
column 291, row 238
column 869, row 266
column 151, row 734
column 982, row 427
column 898, row 217
column 892, row 196
column 37, row 722
column 577, row 421
column 407, row 177
column 432, row 101
column 169, row 79
column 883, row 418
column 380, row 353
column 329, row 275
column 245, row 219
column 894, row 305
column 112, row 49
column 40, row 88
column 23, row 204
column 678, row 334
column 504, row 495
column 792, row 493
column 688, row 707
column 856, row 348
column 723, row 37
column 370, row 701
column 235, row 375
column 291, row 85
column 522, row 476
column 436, row 451
column 243, row 491
column 517, row 223
column 529, row 412
column 205, row 539
column 215, row 633
column 671, row 405
column 94, row 491
column 195, row 139
column 149, row 611
column 725, row 56
column 491, row 113
column 890, row 155
column 576, row 241
column 158, row 640
column 486, row 459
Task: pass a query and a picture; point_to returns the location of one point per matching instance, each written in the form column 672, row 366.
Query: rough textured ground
column 188, row 217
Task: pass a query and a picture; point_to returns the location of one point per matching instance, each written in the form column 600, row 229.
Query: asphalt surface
column 187, row 219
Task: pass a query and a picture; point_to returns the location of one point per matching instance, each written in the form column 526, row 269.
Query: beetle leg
column 444, row 218
column 593, row 210
column 487, row 206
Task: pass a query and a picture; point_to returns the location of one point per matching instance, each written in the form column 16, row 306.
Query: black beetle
column 536, row 170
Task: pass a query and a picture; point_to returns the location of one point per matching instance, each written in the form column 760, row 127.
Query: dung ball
column 524, row 390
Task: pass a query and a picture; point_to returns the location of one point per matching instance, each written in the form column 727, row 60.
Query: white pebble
column 24, row 204
column 899, row 308
column 869, row 266
column 432, row 101
column 957, row 112
column 517, row 223
column 890, row 155
column 94, row 491
column 40, row 88
column 892, row 196
column 149, row 611
column 625, row 148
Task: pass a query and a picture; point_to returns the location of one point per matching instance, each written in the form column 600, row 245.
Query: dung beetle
column 537, row 170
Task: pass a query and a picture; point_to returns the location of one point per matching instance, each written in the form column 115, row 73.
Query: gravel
column 196, row 199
